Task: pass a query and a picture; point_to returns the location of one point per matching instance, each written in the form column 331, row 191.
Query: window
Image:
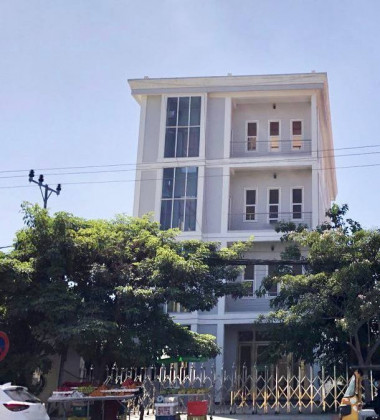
column 297, row 203
column 296, row 134
column 179, row 198
column 251, row 136
column 175, row 307
column 274, row 135
column 249, row 279
column 273, row 291
column 183, row 119
column 274, row 203
column 250, row 205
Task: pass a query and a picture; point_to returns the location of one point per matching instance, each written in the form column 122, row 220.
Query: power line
column 200, row 176
column 188, row 163
column 196, row 160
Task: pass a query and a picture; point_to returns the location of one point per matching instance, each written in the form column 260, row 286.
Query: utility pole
column 48, row 191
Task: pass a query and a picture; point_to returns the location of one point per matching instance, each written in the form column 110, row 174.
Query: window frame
column 267, row 295
column 252, row 281
column 245, row 220
column 247, row 136
column 301, row 204
column 278, row 204
column 164, row 107
column 301, row 135
column 172, row 199
column 275, row 150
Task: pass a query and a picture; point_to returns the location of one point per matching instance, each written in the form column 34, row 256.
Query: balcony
column 265, row 221
column 253, row 148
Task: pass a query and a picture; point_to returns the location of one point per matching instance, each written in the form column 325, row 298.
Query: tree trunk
column 366, row 385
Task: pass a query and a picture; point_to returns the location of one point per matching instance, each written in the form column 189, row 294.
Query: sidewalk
column 302, row 416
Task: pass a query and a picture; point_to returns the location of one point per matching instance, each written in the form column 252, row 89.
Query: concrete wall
column 148, row 192
column 152, row 129
column 212, row 208
column 262, row 181
column 262, row 113
column 215, row 128
column 261, row 250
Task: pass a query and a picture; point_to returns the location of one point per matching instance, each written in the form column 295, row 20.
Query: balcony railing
column 257, row 148
column 262, row 221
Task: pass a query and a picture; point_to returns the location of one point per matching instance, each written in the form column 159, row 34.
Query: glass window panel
column 166, row 214
column 250, row 197
column 249, row 272
column 171, row 113
column 195, row 113
column 178, row 210
column 190, row 215
column 252, row 129
column 183, row 112
column 250, row 213
column 182, row 135
column 273, row 212
column 297, row 128
column 192, row 181
column 180, row 182
column 297, row 211
column 167, row 183
column 297, row 195
column 251, row 144
column 170, row 142
column 274, row 128
column 194, row 142
column 274, row 196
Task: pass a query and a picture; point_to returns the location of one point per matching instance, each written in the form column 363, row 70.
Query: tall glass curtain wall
column 183, row 119
column 179, row 198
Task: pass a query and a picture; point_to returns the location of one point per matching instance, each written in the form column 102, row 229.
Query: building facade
column 225, row 159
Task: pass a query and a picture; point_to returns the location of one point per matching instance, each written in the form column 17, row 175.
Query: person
column 375, row 403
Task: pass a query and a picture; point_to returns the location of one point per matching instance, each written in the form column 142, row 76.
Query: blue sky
column 65, row 101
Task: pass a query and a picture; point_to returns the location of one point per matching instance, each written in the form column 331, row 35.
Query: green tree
column 331, row 313
column 100, row 286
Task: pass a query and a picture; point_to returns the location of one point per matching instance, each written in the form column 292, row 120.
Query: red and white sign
column 4, row 345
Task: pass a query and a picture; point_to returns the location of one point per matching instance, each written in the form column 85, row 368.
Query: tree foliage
column 331, row 312
column 100, row 287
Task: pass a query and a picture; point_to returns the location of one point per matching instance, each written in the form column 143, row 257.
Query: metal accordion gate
column 233, row 391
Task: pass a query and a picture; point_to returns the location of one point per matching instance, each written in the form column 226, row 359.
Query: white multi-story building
column 225, row 158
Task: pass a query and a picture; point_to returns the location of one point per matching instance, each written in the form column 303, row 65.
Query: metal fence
column 253, row 390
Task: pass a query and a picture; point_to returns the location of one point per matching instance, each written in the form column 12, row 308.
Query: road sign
column 4, row 345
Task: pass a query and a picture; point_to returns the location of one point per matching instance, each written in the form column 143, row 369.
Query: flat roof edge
column 228, row 81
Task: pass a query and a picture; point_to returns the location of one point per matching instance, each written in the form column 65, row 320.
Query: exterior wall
column 215, row 128
column 262, row 181
column 208, row 329
column 263, row 113
column 152, row 129
column 261, row 250
column 230, row 345
column 148, row 192
column 212, row 209
column 226, row 169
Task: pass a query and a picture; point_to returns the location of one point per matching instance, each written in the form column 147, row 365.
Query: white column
column 316, row 165
column 227, row 127
column 225, row 199
column 219, row 359
column 140, row 151
column 315, row 194
column 200, row 199
column 314, row 126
